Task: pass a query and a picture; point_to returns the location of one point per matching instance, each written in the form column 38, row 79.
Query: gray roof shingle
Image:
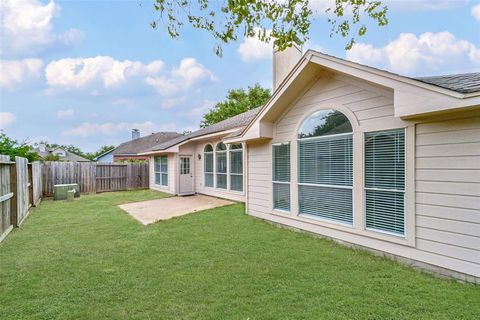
column 462, row 83
column 142, row 144
column 238, row 121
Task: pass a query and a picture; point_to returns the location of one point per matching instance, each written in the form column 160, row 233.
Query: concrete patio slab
column 148, row 212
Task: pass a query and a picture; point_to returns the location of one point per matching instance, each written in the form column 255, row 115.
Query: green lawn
column 90, row 260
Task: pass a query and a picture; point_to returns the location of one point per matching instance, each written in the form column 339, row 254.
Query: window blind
column 385, row 181
column 325, row 177
column 281, row 176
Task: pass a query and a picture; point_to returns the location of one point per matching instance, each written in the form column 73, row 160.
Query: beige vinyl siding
column 370, row 105
column 259, row 178
column 443, row 198
column 448, row 188
column 171, row 188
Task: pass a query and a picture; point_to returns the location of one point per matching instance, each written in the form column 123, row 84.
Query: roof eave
column 376, row 76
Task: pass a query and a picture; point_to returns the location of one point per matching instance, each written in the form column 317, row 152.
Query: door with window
column 186, row 175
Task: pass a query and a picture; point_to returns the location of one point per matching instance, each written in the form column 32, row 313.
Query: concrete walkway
column 148, row 212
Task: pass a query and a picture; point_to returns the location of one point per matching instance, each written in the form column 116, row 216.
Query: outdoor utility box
column 60, row 191
column 70, row 195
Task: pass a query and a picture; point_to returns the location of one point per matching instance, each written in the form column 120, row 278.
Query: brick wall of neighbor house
column 126, row 158
column 444, row 208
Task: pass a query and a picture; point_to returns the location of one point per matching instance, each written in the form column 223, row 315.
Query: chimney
column 283, row 63
column 135, row 134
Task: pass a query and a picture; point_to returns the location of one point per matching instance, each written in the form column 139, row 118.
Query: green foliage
column 285, row 22
column 76, row 150
column 131, row 160
column 236, row 102
column 13, row 148
column 51, row 157
column 99, row 152
column 88, row 259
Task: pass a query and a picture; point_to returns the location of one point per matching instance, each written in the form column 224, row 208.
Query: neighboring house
column 357, row 154
column 105, row 157
column 63, row 155
column 131, row 150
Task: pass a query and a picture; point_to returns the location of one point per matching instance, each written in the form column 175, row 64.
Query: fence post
column 13, row 188
column 30, row 185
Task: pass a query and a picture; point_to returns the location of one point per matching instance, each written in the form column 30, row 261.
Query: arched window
column 221, row 165
column 208, row 165
column 236, row 167
column 325, row 166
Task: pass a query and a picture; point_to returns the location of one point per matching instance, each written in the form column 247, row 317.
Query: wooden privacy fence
column 20, row 188
column 54, row 172
column 95, row 177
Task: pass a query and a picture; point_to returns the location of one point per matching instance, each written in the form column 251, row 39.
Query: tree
column 12, row 148
column 236, row 102
column 99, row 152
column 284, row 21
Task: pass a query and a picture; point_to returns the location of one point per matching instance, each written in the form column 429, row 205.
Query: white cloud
column 14, row 72
column 476, row 12
column 181, row 78
column 65, row 114
column 252, row 49
column 429, row 52
column 170, row 103
column 6, row 119
column 199, row 111
column 89, row 129
column 27, row 26
column 71, row 73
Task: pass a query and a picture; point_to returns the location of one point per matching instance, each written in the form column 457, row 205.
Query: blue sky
column 87, row 72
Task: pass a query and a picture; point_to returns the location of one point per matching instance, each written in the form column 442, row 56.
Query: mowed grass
column 90, row 260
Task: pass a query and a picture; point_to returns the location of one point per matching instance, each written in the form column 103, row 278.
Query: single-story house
column 131, row 150
column 354, row 153
column 45, row 152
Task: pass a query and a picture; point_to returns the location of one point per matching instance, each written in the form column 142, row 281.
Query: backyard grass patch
column 90, row 260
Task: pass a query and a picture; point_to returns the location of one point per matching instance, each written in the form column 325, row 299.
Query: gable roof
column 136, row 146
column 69, row 156
column 413, row 96
column 462, row 83
column 236, row 122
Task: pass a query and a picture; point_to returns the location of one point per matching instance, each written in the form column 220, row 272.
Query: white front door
column 186, row 175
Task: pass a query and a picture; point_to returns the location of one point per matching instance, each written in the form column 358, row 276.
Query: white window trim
column 358, row 180
column 221, row 173
column 281, row 211
column 352, row 187
column 213, row 165
column 405, row 204
column 230, row 174
column 160, row 185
